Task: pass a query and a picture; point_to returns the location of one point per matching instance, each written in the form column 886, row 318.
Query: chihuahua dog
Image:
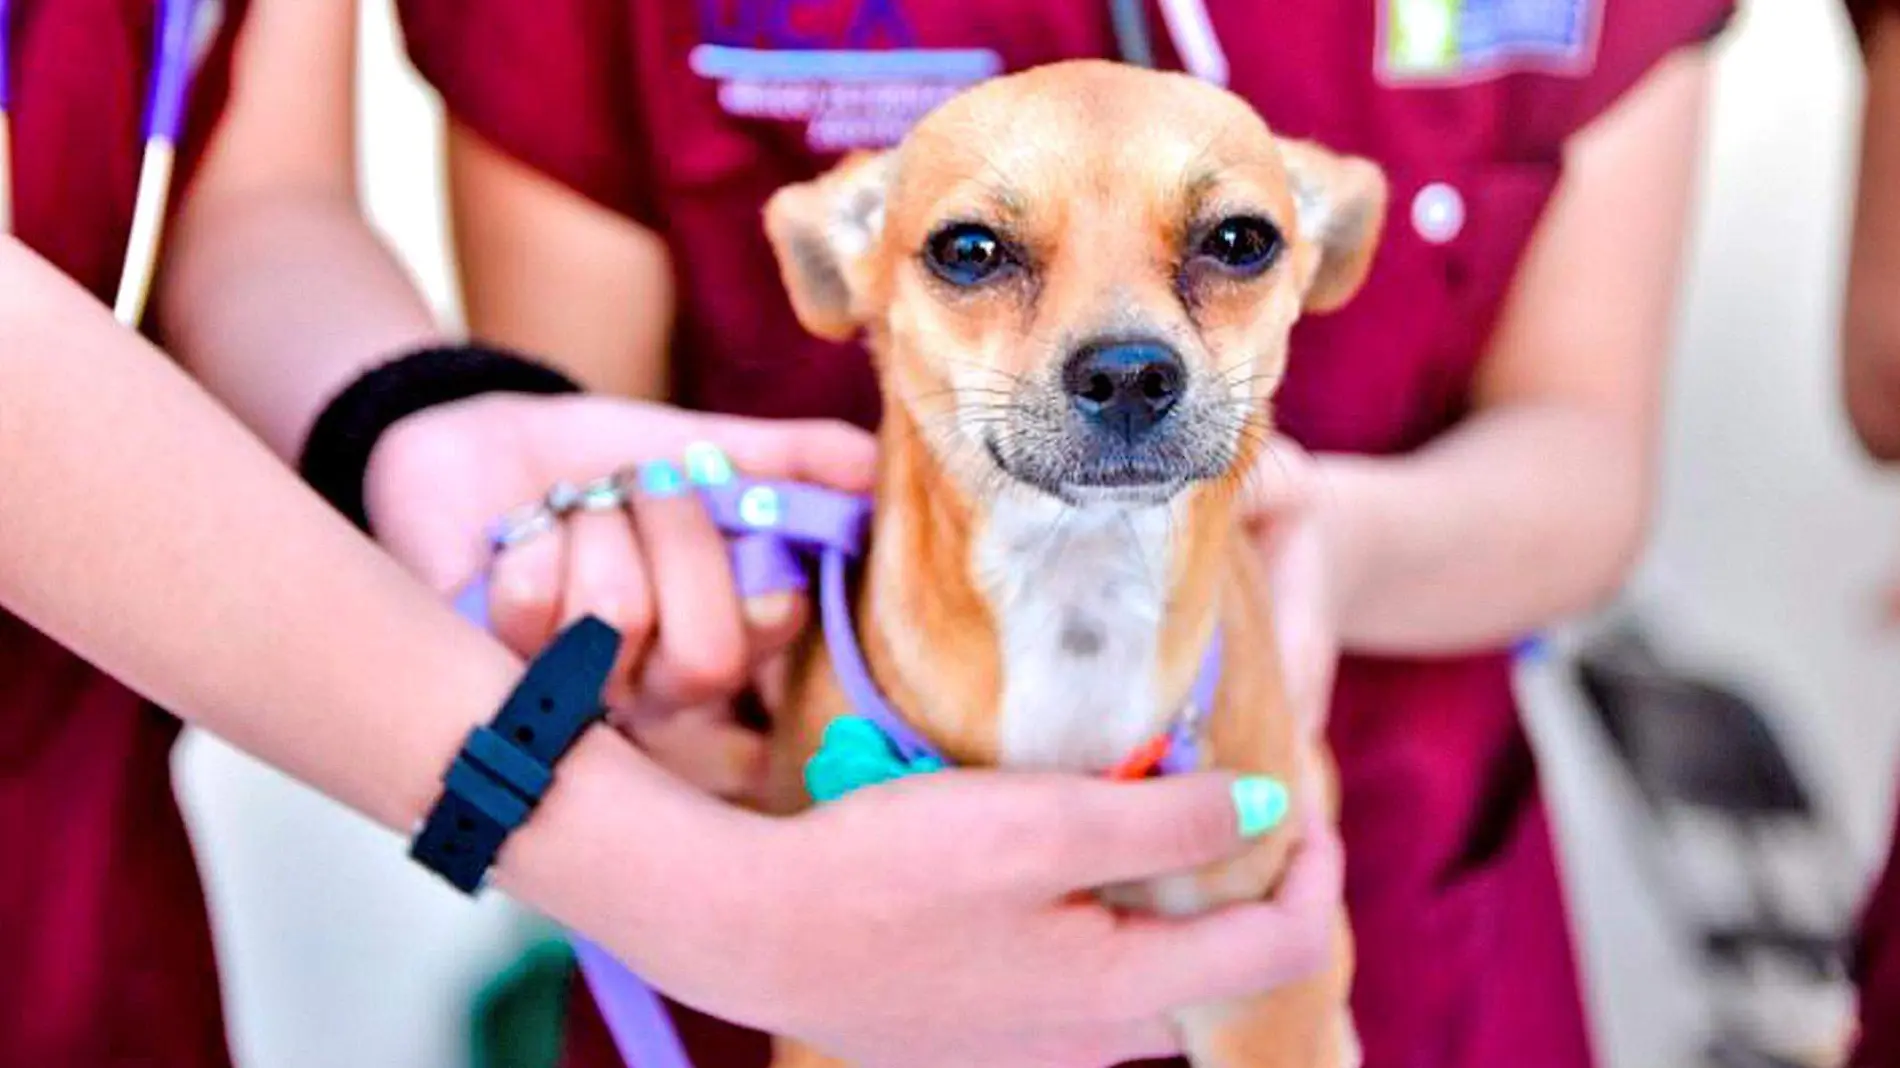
column 1078, row 284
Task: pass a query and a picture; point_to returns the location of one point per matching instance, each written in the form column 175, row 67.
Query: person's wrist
column 338, row 450
column 1346, row 512
column 415, row 450
column 639, row 862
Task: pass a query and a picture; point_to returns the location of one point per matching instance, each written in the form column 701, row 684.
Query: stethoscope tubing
column 172, row 55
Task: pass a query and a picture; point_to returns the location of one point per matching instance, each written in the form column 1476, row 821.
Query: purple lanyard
column 771, row 527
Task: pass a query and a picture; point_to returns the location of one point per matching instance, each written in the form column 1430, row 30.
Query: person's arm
column 1536, row 505
column 143, row 527
column 275, row 292
column 546, row 270
column 1870, row 339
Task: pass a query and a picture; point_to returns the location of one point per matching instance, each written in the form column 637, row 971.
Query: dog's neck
column 1022, row 632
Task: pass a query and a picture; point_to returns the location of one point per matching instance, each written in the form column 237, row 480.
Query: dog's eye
column 1243, row 244
column 966, row 254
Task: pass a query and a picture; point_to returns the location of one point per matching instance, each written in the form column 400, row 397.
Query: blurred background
column 1753, row 624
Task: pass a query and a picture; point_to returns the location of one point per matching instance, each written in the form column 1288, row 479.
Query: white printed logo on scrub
column 1437, row 41
column 770, row 60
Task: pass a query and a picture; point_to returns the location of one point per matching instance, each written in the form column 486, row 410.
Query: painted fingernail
column 706, row 465
column 1261, row 804
column 771, row 610
column 661, row 478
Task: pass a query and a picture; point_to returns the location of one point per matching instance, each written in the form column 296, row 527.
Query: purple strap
column 847, row 662
column 638, row 1020
column 1184, row 741
column 770, row 524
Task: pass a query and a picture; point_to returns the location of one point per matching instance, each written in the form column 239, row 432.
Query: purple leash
column 770, row 527
column 768, row 523
column 637, row 1019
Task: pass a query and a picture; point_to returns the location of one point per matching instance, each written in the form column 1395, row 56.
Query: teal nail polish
column 1260, row 803
column 706, row 465
column 661, row 478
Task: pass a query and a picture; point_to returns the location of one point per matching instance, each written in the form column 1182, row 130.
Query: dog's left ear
column 1341, row 202
column 823, row 232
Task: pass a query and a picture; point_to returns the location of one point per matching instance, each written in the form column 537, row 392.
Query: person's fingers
column 1149, row 1039
column 699, row 654
column 1280, row 480
column 1890, row 605
column 832, row 454
column 770, row 682
column 704, row 746
column 585, row 436
column 1240, row 950
column 430, row 502
column 1053, row 835
column 773, row 622
column 524, row 592
column 605, row 577
column 1095, row 1044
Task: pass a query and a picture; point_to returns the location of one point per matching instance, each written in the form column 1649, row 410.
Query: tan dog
column 1078, row 283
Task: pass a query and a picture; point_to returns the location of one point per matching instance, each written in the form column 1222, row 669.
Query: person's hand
column 656, row 570
column 942, row 921
column 1288, row 521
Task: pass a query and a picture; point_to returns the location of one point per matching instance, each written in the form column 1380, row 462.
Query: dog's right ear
column 823, row 232
column 1341, row 202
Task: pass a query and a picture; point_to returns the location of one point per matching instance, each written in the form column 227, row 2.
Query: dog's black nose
column 1127, row 386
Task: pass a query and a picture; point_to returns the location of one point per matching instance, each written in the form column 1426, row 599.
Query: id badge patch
column 1438, row 41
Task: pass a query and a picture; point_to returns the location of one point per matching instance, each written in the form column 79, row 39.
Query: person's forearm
column 1534, row 507
column 145, row 529
column 1522, row 515
column 277, row 299
column 1870, row 337
column 546, row 270
column 1870, row 380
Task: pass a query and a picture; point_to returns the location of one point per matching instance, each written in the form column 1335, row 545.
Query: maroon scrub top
column 685, row 116
column 1863, row 12
column 105, row 947
column 1876, row 971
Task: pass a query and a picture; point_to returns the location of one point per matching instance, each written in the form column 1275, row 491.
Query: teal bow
column 854, row 754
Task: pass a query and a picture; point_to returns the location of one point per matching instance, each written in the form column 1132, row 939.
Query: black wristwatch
column 505, row 767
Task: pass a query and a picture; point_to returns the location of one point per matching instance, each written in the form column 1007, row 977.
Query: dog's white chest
column 1079, row 595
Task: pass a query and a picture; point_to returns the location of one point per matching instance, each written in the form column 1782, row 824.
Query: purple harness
column 772, row 527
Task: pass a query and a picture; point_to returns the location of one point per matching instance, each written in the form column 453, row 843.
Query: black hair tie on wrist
column 505, row 768
column 336, row 453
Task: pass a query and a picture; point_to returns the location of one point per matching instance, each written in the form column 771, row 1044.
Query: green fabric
column 518, row 1017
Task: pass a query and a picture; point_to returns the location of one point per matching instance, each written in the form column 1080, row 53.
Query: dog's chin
column 1119, row 482
column 1132, row 495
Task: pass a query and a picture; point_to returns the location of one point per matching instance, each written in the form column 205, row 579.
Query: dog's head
column 1082, row 277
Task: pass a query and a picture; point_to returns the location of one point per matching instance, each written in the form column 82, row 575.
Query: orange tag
column 1142, row 762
